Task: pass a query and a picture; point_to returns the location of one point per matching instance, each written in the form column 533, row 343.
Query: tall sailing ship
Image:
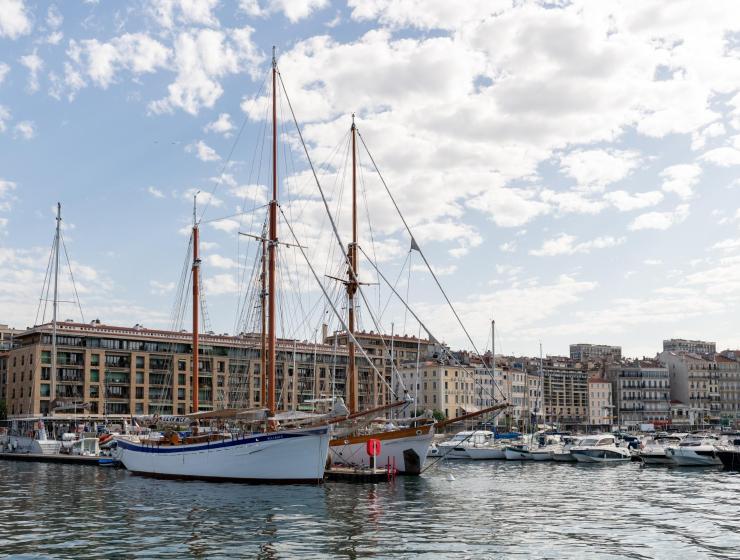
column 271, row 455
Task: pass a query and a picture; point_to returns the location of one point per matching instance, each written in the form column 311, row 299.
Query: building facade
column 7, row 337
column 695, row 380
column 691, row 346
column 595, row 352
column 107, row 370
column 600, row 406
column 641, row 392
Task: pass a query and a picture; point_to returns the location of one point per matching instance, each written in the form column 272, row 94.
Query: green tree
column 438, row 415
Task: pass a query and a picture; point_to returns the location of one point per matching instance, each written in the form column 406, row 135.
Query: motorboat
column 654, row 450
column 30, row 436
column 489, row 450
column 729, row 454
column 600, row 449
column 695, row 451
column 518, row 452
column 457, row 447
column 561, row 453
column 87, row 446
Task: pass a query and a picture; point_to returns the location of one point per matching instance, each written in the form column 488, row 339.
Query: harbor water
column 489, row 510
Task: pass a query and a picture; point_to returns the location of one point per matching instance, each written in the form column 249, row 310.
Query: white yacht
column 695, row 451
column 457, row 447
column 489, row 450
column 655, row 449
column 600, row 449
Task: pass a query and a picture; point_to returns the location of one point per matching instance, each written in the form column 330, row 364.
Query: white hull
column 656, row 459
column 408, row 453
column 515, row 455
column 22, row 444
column 691, row 459
column 582, row 457
column 486, row 453
column 541, row 455
column 284, row 456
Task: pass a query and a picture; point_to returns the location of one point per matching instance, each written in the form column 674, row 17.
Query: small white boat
column 655, row 450
column 457, row 447
column 695, row 451
column 86, row 446
column 35, row 440
column 518, row 452
column 488, row 451
column 600, row 449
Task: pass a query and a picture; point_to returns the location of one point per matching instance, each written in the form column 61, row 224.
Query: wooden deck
column 348, row 474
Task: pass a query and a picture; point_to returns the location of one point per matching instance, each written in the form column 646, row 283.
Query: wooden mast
column 352, row 397
column 263, row 331
column 272, row 251
column 196, row 288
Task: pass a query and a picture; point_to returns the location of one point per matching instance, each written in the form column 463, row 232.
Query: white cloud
column 574, row 201
column 595, row 169
column 4, row 118
column 204, row 198
column 699, row 138
column 25, row 130
column 15, row 21
column 6, row 196
column 34, row 64
column 4, row 69
column 136, row 52
column 727, row 244
column 626, row 202
column 438, row 270
column 202, row 151
column 565, row 244
column 161, row 288
column 509, row 207
column 681, row 179
column 222, row 125
column 256, row 193
column 156, row 193
column 660, row 220
column 508, row 247
column 294, row 10
column 724, row 157
column 219, row 261
column 652, row 262
column 221, row 284
column 227, row 225
column 54, row 18
column 168, row 13
column 202, row 57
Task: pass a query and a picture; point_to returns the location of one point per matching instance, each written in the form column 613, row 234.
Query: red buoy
column 373, row 447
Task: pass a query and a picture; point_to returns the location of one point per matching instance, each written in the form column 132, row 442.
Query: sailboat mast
column 196, row 305
column 272, row 251
column 55, row 304
column 542, row 389
column 352, row 398
column 263, row 331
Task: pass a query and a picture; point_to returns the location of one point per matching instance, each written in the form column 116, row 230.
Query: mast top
column 195, row 219
column 353, row 120
column 274, row 57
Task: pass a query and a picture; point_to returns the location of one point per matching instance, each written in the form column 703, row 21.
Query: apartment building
column 600, row 405
column 695, row 381
column 641, row 392
column 7, row 337
column 111, row 370
column 690, row 346
column 729, row 389
column 595, row 352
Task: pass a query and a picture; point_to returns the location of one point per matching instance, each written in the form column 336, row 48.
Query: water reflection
column 552, row 510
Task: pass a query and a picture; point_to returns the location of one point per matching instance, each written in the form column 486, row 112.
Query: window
column 45, row 390
column 181, row 365
column 140, row 392
column 181, row 379
column 94, row 390
column 95, row 375
column 140, row 377
column 95, row 359
column 139, row 361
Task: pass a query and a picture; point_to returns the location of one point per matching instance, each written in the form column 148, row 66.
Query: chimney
column 324, row 332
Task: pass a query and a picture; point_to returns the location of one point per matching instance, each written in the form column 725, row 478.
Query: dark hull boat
column 730, row 457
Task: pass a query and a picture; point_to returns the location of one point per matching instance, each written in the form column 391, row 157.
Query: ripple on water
column 491, row 509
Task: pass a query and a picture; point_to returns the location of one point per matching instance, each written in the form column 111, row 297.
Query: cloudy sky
column 569, row 168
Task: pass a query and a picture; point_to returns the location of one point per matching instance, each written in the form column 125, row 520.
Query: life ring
column 373, row 447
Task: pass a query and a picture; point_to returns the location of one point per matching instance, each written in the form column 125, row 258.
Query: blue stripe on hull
column 216, row 445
